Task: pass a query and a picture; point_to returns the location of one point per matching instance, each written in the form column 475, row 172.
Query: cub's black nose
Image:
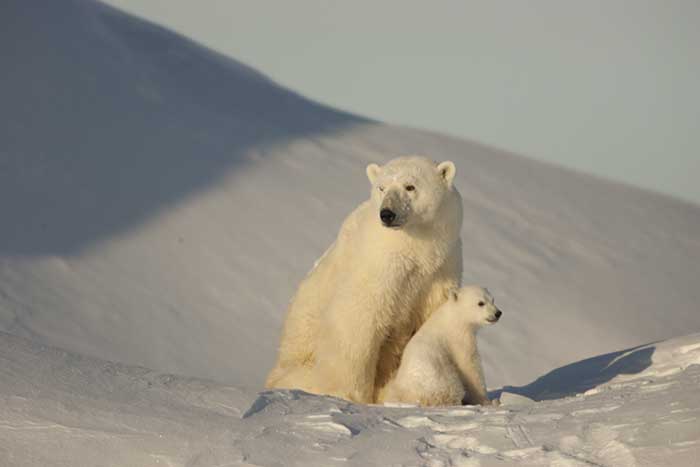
column 498, row 313
column 387, row 216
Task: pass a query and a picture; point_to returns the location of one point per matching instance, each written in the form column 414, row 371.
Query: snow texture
column 159, row 204
column 61, row 409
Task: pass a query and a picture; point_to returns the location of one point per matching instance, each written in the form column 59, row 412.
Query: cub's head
column 409, row 191
column 475, row 305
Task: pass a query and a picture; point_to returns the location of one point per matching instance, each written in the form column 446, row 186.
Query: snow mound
column 60, row 409
column 592, row 375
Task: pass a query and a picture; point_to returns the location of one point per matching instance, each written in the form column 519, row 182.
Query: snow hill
column 160, row 203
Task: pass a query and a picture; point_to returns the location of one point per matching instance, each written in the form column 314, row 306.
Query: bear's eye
column 410, row 187
column 380, row 188
column 482, row 303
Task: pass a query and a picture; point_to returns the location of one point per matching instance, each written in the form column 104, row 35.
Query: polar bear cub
column 441, row 363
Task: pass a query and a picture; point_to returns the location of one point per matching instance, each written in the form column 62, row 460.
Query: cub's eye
column 482, row 303
column 410, row 188
column 381, row 188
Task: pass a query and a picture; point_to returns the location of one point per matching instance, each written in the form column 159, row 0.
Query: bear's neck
column 461, row 342
column 448, row 326
column 460, row 336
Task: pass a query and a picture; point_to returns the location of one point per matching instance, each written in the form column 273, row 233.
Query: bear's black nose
column 498, row 313
column 387, row 216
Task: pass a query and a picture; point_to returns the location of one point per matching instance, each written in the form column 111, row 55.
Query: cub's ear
column 453, row 295
column 372, row 172
column 447, row 171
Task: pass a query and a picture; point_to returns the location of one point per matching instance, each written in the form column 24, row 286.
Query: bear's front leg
column 433, row 294
column 347, row 352
column 472, row 375
column 446, row 279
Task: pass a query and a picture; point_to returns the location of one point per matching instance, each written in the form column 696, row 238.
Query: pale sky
column 609, row 87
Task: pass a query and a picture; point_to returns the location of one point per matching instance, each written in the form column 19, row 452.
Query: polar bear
column 393, row 263
column 441, row 363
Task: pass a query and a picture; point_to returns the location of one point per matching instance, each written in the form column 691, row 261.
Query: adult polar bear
column 394, row 261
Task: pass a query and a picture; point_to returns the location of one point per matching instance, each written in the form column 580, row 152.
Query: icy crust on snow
column 61, row 409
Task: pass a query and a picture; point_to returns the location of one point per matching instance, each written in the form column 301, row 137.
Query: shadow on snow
column 579, row 377
column 108, row 119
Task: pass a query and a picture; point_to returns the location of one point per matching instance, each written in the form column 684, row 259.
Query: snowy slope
column 61, row 409
column 159, row 203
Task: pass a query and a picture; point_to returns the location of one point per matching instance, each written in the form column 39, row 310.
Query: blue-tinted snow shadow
column 108, row 119
column 579, row 377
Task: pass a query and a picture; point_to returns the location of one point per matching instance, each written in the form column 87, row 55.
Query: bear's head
column 410, row 191
column 474, row 305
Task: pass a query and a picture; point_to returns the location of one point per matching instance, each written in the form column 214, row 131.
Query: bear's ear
column 372, row 172
column 447, row 171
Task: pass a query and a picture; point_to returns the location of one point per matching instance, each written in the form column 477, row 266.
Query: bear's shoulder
column 355, row 221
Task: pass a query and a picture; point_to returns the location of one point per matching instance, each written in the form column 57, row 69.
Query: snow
column 60, row 408
column 159, row 204
column 170, row 228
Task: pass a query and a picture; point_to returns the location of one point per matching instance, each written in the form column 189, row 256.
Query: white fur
column 441, row 363
column 353, row 314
